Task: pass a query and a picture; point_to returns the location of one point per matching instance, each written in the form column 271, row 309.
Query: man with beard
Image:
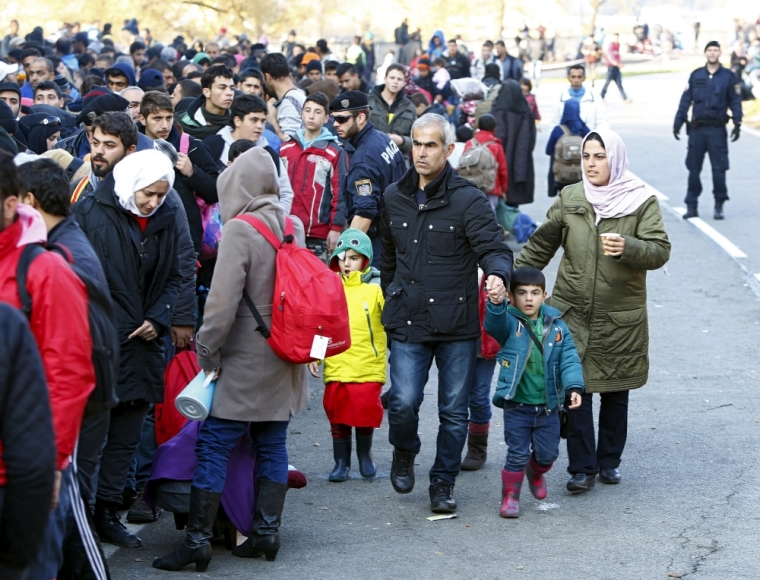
column 376, row 163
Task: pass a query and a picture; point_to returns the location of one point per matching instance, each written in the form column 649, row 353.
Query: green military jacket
column 602, row 298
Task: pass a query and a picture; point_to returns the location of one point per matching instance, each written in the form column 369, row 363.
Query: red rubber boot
column 511, row 483
column 536, row 480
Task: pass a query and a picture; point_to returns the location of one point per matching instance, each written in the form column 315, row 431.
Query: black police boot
column 718, row 215
column 110, row 529
column 197, row 545
column 267, row 512
column 364, row 453
column 402, row 471
column 442, row 497
column 691, row 212
column 342, row 455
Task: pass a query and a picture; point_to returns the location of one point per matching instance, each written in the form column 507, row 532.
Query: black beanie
column 712, row 43
column 7, row 119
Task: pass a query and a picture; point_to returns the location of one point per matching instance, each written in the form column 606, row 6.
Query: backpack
column 103, row 331
column 567, row 157
column 308, row 301
column 479, row 166
column 211, row 217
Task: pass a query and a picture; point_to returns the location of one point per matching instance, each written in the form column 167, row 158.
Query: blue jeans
column 50, row 556
column 526, row 427
column 409, row 375
column 480, row 391
column 218, row 438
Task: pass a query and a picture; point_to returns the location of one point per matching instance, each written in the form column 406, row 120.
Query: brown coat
column 254, row 384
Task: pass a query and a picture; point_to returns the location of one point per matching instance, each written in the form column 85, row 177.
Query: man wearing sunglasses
column 376, row 163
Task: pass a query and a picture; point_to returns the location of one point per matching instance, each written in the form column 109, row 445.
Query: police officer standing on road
column 376, row 163
column 712, row 90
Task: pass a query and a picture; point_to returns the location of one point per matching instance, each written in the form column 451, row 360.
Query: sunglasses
column 339, row 120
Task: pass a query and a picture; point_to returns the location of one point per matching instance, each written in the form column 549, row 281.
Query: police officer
column 376, row 163
column 712, row 90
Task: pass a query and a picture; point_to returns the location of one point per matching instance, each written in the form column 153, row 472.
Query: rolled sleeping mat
column 194, row 402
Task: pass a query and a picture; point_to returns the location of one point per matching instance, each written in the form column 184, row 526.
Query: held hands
column 314, row 369
column 495, row 288
column 146, row 331
column 575, row 400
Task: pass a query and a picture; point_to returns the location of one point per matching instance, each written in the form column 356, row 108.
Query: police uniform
column 376, row 163
column 711, row 96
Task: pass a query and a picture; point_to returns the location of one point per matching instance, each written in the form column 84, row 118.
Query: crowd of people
column 148, row 191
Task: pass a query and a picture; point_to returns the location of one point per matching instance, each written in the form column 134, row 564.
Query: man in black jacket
column 457, row 63
column 26, row 430
column 438, row 228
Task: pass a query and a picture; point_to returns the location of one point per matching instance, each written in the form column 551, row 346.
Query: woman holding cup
column 610, row 228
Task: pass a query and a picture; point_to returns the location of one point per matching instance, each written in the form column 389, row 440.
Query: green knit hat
column 353, row 239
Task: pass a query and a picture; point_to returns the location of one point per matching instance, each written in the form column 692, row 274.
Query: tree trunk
column 595, row 6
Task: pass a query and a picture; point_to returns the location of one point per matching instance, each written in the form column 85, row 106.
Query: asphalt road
column 688, row 503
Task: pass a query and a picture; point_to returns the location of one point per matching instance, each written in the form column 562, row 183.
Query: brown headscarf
column 250, row 185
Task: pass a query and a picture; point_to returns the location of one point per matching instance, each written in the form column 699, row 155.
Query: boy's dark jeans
column 584, row 455
column 529, row 427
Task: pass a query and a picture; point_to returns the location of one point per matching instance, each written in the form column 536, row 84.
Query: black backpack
column 105, row 337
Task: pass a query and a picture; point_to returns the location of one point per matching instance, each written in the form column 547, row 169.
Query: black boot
column 197, row 545
column 364, row 453
column 477, row 447
column 402, row 471
column 270, row 499
column 141, row 512
column 691, row 212
column 342, row 454
column 718, row 215
column 110, row 529
column 442, row 497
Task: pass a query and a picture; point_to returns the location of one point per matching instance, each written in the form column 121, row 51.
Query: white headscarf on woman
column 625, row 193
column 137, row 171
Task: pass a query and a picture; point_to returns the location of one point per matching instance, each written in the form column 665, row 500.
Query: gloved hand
column 735, row 133
column 676, row 131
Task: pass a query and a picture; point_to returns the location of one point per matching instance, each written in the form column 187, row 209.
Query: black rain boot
column 267, row 513
column 342, row 454
column 364, row 453
column 691, row 212
column 477, row 451
column 718, row 215
column 110, row 529
column 197, row 545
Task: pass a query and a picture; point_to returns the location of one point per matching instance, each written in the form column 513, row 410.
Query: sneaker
column 442, row 497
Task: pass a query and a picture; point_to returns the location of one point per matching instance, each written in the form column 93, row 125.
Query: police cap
column 349, row 101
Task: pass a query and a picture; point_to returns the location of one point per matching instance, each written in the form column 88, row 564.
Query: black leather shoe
column 402, row 471
column 609, row 476
column 718, row 215
column 691, row 212
column 111, row 530
column 581, row 482
column 442, row 497
column 141, row 512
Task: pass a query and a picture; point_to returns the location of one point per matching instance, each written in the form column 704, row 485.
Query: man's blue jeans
column 528, row 427
column 217, row 439
column 480, row 392
column 409, row 374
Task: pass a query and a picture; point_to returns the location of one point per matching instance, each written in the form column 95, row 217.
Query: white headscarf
column 625, row 193
column 137, row 171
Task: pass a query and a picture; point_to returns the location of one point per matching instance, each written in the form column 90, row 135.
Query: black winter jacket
column 431, row 256
column 124, row 251
column 26, row 430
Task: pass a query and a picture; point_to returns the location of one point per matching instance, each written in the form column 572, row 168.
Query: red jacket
column 59, row 323
column 315, row 174
column 496, row 149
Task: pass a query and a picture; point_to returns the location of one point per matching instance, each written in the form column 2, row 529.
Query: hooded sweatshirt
column 364, row 362
column 314, row 169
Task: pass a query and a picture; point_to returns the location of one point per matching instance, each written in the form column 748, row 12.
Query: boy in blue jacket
column 538, row 366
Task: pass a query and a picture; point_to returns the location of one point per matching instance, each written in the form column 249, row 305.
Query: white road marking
column 757, row 276
column 751, row 131
column 728, row 246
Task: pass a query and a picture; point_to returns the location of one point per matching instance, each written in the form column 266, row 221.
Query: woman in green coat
column 610, row 229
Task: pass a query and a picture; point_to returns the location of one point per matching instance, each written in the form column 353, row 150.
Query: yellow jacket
column 365, row 361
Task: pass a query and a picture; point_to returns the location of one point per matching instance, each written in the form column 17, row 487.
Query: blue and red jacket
column 315, row 170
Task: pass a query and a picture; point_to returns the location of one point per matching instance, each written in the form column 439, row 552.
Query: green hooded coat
column 602, row 298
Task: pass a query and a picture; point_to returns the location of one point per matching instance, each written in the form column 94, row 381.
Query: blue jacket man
column 711, row 91
column 376, row 163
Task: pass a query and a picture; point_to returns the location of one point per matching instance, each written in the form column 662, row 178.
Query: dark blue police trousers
column 714, row 141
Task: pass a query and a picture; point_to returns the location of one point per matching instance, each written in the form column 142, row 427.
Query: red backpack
column 308, row 300
column 182, row 369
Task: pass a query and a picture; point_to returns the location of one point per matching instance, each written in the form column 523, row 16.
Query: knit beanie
column 351, row 239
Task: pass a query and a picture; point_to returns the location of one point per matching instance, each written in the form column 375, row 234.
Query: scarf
column 138, row 171
column 577, row 94
column 571, row 118
column 625, row 193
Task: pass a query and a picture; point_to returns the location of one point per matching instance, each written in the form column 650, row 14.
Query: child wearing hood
column 354, row 378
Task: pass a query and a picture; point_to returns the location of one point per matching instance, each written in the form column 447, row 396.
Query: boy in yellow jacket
column 354, row 378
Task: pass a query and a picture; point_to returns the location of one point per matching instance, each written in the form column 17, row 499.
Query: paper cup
column 608, row 236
